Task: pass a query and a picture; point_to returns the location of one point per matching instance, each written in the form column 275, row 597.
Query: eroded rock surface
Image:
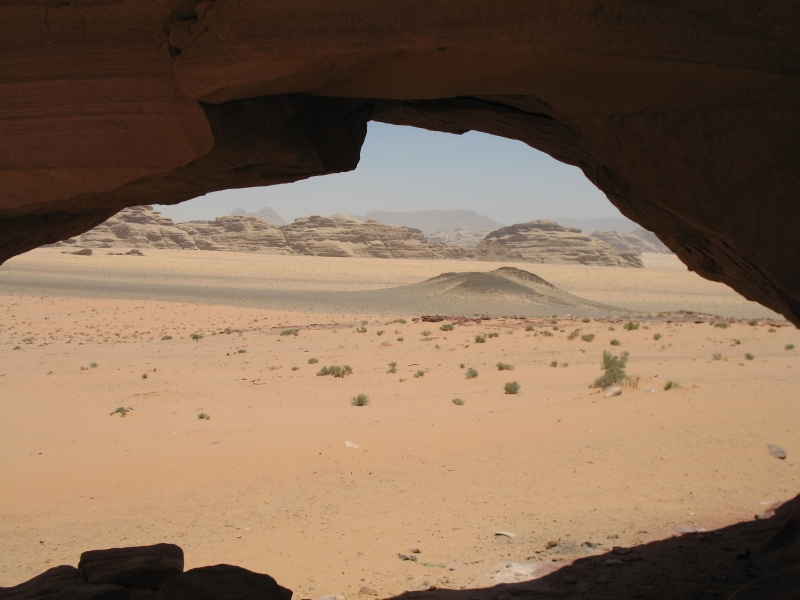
column 459, row 237
column 544, row 241
column 684, row 113
column 634, row 242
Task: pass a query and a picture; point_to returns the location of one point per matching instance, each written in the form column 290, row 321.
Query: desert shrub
column 611, row 329
column 15, row 348
column 204, row 416
column 574, row 334
column 295, row 368
column 656, row 336
column 401, row 321
column 630, row 326
column 529, row 328
column 335, row 371
column 472, row 373
column 446, row 327
column 364, row 322
column 512, row 387
column 196, row 336
column 361, row 330
column 419, row 373
column 564, row 364
column 359, row 400
column 400, row 339
column 166, row 337
column 555, row 328
column 588, row 337
column 480, row 339
column 554, row 363
column 458, row 401
column 790, row 346
column 122, row 411
column 546, row 333
column 292, row 331
column 586, row 320
column 614, row 367
column 771, row 330
column 737, row 342
column 615, row 343
column 749, row 356
column 380, row 332
column 93, row 365
column 392, row 367
column 753, row 322
column 721, row 324
column 426, row 333
column 504, row 367
column 313, row 361
column 670, row 385
column 494, row 334
column 241, row 351
column 462, row 365
column 144, row 375
column 717, row 356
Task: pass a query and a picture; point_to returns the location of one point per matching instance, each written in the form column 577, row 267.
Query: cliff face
column 635, row 242
column 548, row 242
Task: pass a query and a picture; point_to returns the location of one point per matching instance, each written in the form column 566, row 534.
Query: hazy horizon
column 409, row 169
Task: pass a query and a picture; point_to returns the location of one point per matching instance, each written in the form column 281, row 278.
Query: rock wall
column 544, row 241
column 684, row 113
column 635, row 242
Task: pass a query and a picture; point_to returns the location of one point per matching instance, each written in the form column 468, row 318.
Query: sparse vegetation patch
column 670, row 385
column 480, row 339
column 335, row 371
column 588, row 337
column 204, row 417
column 614, row 367
column 749, row 356
column 392, row 367
column 458, row 401
column 512, row 387
column 630, row 326
column 615, row 343
column 472, row 373
column 121, row 411
column 359, row 400
column 313, row 361
column 166, row 338
column 656, row 336
column 446, row 327
column 293, row 331
column 504, row 367
column 574, row 334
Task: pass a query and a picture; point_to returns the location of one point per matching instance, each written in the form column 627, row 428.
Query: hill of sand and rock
column 543, row 242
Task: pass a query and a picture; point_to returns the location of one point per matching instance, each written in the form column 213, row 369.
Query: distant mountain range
column 435, row 221
column 265, row 213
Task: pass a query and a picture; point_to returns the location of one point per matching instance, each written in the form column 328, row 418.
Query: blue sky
column 404, row 168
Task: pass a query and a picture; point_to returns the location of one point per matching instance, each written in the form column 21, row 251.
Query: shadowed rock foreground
column 757, row 560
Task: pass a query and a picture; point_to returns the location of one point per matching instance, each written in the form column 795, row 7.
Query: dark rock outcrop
column 145, row 573
column 684, row 113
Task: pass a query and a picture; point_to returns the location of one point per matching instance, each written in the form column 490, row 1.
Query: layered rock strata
column 634, row 242
column 544, row 241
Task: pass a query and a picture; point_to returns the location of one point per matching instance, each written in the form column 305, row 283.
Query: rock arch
column 686, row 113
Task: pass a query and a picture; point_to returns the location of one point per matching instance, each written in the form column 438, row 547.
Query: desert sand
column 288, row 478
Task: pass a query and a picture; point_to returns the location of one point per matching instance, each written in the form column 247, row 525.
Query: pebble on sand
column 777, row 451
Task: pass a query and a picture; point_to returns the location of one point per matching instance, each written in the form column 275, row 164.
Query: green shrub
column 400, row 339
column 670, row 385
column 462, row 365
column 204, row 416
column 401, row 321
column 749, row 356
column 292, row 331
column 480, row 339
column 512, row 387
column 737, row 342
column 93, row 365
column 446, row 327
column 359, row 400
column 166, row 337
column 790, row 346
column 574, row 334
column 564, row 364
column 313, row 361
column 241, row 351
column 504, row 367
column 295, row 368
column 615, row 343
column 545, row 333
column 144, row 375
column 656, row 336
column 586, row 320
column 494, row 334
column 529, row 328
column 380, row 332
column 361, row 330
column 419, row 373
column 717, row 356
column 122, row 411
column 614, row 367
column 588, row 337
column 335, row 371
column 630, row 326
column 196, row 336
column 458, row 401
column 753, row 322
column 426, row 333
column 554, row 363
column 392, row 367
column 771, row 330
column 721, row 324
column 611, row 329
column 472, row 373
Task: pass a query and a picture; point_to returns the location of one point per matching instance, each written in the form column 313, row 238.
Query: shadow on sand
column 759, row 559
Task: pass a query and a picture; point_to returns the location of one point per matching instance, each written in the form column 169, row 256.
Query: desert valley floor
column 286, row 477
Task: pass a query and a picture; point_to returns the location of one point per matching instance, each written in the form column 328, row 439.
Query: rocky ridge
column 634, row 242
column 545, row 241
column 265, row 213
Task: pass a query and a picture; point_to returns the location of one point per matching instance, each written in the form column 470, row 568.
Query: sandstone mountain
column 430, row 222
column 265, row 213
column 548, row 242
column 619, row 224
column 634, row 242
column 459, row 237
